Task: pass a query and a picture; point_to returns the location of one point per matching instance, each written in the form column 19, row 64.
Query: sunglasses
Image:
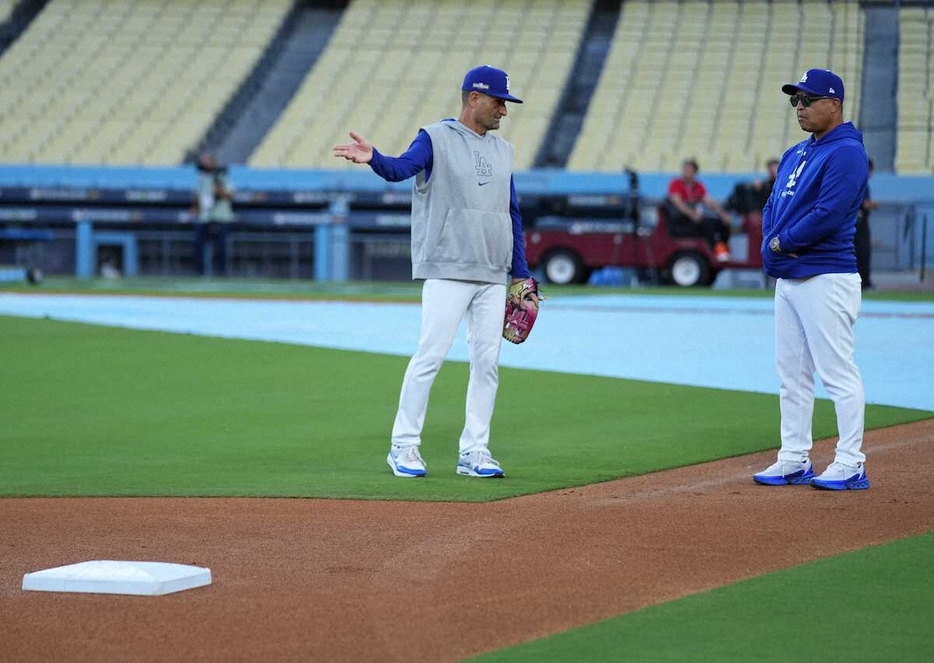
column 805, row 99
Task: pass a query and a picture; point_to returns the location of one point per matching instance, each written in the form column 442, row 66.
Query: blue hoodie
column 813, row 206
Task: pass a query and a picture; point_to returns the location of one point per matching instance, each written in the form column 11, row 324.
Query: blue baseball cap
column 489, row 80
column 819, row 82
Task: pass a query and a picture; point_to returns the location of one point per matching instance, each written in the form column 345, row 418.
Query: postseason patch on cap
column 489, row 80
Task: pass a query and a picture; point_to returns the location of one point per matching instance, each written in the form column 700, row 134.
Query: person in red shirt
column 690, row 198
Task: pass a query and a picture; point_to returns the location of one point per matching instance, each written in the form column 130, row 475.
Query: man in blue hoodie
column 466, row 242
column 807, row 227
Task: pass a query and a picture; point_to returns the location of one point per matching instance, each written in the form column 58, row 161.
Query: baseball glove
column 521, row 310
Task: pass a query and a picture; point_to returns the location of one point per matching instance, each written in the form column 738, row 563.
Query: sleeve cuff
column 786, row 243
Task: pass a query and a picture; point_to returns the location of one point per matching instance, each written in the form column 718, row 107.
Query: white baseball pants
column 444, row 303
column 814, row 321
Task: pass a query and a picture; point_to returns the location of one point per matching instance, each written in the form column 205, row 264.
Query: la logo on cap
column 804, row 79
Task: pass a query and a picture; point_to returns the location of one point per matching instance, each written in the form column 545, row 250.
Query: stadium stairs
column 265, row 93
column 879, row 119
column 582, row 81
column 19, row 18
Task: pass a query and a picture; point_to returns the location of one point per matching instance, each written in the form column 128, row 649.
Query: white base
column 110, row 577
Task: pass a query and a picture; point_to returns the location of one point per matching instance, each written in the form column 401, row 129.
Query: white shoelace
column 482, row 457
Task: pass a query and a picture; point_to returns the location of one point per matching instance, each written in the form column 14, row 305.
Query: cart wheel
column 689, row 269
column 563, row 267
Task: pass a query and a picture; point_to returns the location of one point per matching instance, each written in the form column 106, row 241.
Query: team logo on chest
column 792, row 180
column 484, row 169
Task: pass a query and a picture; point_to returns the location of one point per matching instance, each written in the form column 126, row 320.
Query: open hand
column 359, row 151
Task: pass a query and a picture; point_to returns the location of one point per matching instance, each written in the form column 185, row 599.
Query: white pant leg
column 828, row 306
column 485, row 338
column 795, row 373
column 443, row 305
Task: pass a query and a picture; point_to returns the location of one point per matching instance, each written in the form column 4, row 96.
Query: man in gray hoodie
column 466, row 241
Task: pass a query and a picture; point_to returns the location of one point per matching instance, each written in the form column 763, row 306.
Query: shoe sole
column 469, row 472
column 860, row 484
column 401, row 472
column 804, row 480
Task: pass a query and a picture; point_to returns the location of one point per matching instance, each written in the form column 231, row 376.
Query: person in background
column 689, row 197
column 748, row 199
column 862, row 240
column 214, row 213
column 762, row 189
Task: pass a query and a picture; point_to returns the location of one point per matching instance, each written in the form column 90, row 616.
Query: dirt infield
column 303, row 580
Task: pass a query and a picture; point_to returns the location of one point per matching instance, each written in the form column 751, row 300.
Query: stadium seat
column 119, row 82
column 694, row 79
column 6, row 10
column 385, row 89
column 90, row 74
column 915, row 139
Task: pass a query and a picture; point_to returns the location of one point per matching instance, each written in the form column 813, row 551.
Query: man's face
column 688, row 171
column 773, row 169
column 818, row 117
column 489, row 111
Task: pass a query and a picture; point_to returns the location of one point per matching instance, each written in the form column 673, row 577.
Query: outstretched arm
column 417, row 158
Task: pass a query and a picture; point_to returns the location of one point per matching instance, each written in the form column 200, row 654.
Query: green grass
column 89, row 410
column 226, row 287
column 875, row 604
column 357, row 290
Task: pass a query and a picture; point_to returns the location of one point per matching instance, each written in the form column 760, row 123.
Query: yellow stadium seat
column 396, row 90
column 158, row 59
column 717, row 90
column 915, row 97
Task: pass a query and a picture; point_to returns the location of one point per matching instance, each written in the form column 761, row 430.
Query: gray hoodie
column 461, row 227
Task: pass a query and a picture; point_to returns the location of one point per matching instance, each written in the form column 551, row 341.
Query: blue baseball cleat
column 786, row 473
column 838, row 476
